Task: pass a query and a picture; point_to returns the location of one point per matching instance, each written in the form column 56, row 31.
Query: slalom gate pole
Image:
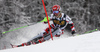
column 89, row 31
column 14, row 29
column 47, row 19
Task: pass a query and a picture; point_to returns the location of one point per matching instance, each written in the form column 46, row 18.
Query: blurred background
column 17, row 13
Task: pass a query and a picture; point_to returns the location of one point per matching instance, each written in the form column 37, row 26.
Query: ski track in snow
column 25, row 34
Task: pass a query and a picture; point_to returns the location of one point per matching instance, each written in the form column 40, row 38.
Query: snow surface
column 83, row 43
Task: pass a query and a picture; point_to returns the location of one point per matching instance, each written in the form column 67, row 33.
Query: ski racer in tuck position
column 60, row 21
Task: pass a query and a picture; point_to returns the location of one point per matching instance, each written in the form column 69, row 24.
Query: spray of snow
column 25, row 34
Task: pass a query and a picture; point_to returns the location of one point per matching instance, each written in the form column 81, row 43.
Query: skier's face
column 56, row 13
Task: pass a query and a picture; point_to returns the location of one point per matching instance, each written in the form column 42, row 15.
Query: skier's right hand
column 45, row 22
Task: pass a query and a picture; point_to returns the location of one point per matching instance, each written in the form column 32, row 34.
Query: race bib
column 59, row 22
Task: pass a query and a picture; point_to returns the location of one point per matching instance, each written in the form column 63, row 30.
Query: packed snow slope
column 23, row 35
column 83, row 43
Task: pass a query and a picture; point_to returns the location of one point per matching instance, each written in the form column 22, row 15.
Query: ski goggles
column 55, row 12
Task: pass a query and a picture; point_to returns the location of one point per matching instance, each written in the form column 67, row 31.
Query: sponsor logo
column 54, row 8
column 59, row 22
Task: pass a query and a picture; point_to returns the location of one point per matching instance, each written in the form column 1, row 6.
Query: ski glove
column 73, row 32
column 45, row 22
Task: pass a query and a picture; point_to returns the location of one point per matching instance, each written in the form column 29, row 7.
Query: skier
column 60, row 20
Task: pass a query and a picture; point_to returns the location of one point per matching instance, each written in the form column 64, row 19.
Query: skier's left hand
column 73, row 32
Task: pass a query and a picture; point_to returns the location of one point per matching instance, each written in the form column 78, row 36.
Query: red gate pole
column 47, row 19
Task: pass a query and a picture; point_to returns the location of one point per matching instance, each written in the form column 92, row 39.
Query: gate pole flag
column 47, row 19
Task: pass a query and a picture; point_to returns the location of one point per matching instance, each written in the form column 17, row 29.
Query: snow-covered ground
column 83, row 43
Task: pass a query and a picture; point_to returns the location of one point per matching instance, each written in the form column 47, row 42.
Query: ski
column 13, row 46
